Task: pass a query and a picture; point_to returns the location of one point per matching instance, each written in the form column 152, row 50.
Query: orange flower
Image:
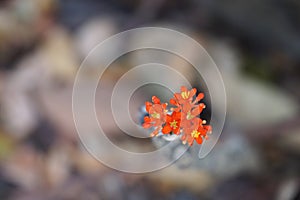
column 185, row 118
column 196, row 131
column 184, row 100
column 191, row 111
column 157, row 115
column 172, row 123
column 185, row 96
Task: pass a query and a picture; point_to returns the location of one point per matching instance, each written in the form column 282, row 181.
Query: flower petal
column 169, row 118
column 148, row 106
column 208, row 128
column 147, row 119
column 199, row 97
column 147, row 125
column 166, row 129
column 177, row 130
column 196, row 111
column 183, row 89
column 178, row 97
column 173, row 102
column 190, row 140
column 196, row 123
column 155, row 100
column 192, row 92
column 176, row 115
column 199, row 140
column 164, row 105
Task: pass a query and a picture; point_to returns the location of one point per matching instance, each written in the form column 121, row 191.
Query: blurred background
column 256, row 45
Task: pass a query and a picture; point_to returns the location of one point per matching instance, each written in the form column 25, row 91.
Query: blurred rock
column 289, row 190
column 84, row 163
column 74, row 13
column 263, row 26
column 37, row 73
column 183, row 195
column 7, row 187
column 43, row 136
column 290, row 140
column 7, row 145
column 59, row 53
column 58, row 108
column 58, row 165
column 250, row 102
column 13, row 44
column 113, row 186
column 93, row 33
column 32, row 19
column 194, row 180
column 255, row 103
column 19, row 112
column 24, row 167
column 178, row 64
column 2, row 80
column 31, row 11
column 242, row 187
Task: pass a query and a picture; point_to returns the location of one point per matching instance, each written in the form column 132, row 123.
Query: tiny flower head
column 182, row 119
column 195, row 131
column 157, row 115
column 172, row 123
column 185, row 96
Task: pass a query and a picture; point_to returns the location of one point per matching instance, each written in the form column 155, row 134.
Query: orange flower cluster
column 184, row 119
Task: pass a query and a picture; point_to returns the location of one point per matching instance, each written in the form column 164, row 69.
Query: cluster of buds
column 183, row 118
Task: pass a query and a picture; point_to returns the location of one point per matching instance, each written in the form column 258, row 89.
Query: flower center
column 173, row 124
column 185, row 94
column 189, row 116
column 195, row 134
column 155, row 115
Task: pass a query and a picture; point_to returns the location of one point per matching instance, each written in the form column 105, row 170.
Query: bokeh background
column 256, row 45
